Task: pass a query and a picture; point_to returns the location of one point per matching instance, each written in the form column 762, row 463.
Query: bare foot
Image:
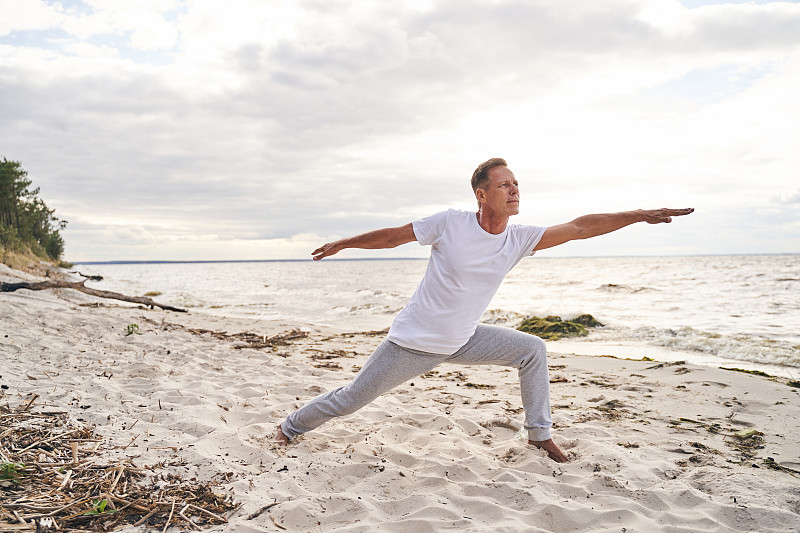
column 552, row 450
column 280, row 438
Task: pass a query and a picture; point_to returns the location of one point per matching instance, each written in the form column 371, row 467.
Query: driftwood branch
column 79, row 286
column 93, row 278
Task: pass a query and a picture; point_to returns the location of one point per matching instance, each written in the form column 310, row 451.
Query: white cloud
column 143, row 21
column 27, row 15
column 789, row 197
column 90, row 52
column 131, row 235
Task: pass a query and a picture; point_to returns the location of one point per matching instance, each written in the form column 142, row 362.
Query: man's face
column 501, row 195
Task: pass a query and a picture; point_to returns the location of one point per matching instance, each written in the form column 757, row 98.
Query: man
column 470, row 255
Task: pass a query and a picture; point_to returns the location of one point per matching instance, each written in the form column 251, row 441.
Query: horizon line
column 194, row 261
column 182, row 261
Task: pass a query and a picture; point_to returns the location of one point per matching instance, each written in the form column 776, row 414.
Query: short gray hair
column 480, row 178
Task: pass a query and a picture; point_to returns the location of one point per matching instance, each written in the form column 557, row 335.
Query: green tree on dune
column 26, row 223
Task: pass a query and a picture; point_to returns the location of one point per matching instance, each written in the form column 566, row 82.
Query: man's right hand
column 325, row 250
column 372, row 240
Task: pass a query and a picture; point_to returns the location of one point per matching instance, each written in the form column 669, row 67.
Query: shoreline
column 595, row 345
column 653, row 445
column 642, row 314
column 588, row 347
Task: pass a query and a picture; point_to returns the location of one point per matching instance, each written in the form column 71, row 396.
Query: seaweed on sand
column 553, row 328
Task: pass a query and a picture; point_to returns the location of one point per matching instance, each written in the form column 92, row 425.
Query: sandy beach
column 653, row 446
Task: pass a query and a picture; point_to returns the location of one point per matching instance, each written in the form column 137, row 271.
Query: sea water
column 726, row 310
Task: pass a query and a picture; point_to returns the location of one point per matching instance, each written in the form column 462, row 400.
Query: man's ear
column 480, row 194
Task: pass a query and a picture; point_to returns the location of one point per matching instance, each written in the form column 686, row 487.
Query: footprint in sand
column 501, row 427
column 708, row 383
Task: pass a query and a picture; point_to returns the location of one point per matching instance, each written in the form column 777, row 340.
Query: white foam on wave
column 739, row 347
column 694, row 346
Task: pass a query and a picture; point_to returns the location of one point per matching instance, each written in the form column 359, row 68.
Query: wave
column 751, row 348
column 613, row 287
column 258, row 306
column 737, row 347
column 502, row 317
column 369, row 308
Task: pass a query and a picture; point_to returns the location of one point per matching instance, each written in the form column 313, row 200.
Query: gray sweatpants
column 391, row 365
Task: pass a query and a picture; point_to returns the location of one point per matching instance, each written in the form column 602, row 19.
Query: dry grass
column 52, row 470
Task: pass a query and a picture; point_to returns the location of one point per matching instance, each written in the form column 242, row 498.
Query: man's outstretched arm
column 380, row 238
column 589, row 226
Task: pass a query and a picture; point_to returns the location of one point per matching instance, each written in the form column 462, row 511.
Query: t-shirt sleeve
column 531, row 235
column 430, row 229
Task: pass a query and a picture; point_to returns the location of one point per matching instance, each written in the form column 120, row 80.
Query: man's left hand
column 664, row 215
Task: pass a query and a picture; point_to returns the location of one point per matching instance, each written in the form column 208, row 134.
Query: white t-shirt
column 466, row 267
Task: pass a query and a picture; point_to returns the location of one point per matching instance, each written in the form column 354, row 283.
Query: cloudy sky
column 208, row 129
